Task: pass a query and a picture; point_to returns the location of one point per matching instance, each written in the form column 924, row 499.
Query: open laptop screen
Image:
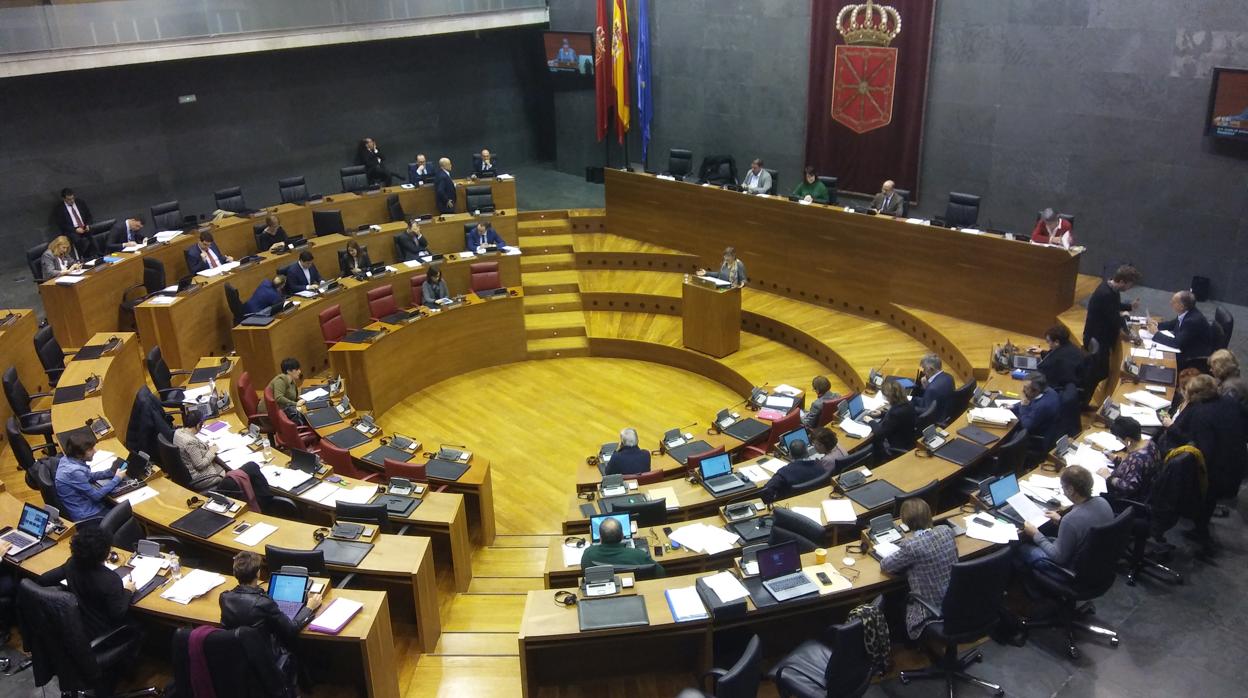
column 595, row 522
column 287, row 587
column 303, row 460
column 855, row 406
column 716, row 466
column 34, row 521
column 1002, row 489
column 778, row 560
column 795, row 435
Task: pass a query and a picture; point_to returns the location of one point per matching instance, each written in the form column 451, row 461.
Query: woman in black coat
column 103, row 596
column 895, row 429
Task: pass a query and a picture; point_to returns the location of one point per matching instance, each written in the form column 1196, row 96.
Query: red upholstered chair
column 695, row 460
column 779, row 428
column 649, row 477
column 333, row 326
column 484, row 276
column 418, row 282
column 251, row 404
column 285, row 432
column 340, row 460
column 828, row 413
column 412, row 471
column 381, row 302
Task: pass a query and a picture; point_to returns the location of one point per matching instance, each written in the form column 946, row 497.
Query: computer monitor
column 855, row 406
column 798, row 434
column 1002, row 489
column 34, row 521
column 778, row 560
column 715, row 466
column 625, row 519
column 288, row 587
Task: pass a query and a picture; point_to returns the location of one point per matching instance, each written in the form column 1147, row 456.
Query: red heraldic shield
column 862, row 86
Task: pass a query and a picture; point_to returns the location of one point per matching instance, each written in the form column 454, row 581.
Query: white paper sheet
column 145, row 570
column 1146, row 416
column 162, row 300
column 783, row 403
column 1105, row 440
column 756, row 474
column 813, row 513
column 771, row 465
column 103, row 460
column 258, row 532
column 885, row 549
column 196, row 583
column 685, row 604
column 218, row 271
column 786, row 389
column 1147, row 399
column 323, row 491
column 1000, row 532
column 572, row 555
column 839, row 511
column 284, row 478
column 874, row 401
column 991, row 415
column 1027, row 509
column 336, row 615
column 314, row 394
column 68, row 280
column 726, row 586
column 140, row 495
column 853, row 428
column 360, row 494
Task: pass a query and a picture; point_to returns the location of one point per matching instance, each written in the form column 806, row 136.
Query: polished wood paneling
column 712, row 319
column 17, row 349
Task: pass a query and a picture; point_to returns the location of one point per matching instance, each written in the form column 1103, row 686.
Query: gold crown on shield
column 869, row 24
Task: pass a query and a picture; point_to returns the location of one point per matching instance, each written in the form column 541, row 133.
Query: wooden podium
column 712, row 318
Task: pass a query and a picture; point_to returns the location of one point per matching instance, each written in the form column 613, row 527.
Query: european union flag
column 645, row 98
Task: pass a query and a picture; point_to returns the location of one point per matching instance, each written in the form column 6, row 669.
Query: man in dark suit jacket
column 888, row 201
column 936, row 387
column 484, row 234
column 444, row 187
column 419, row 171
column 484, row 164
column 411, row 243
column 801, row 469
column 123, row 231
column 1039, row 409
column 1190, row 331
column 266, row 295
column 1104, row 322
column 302, row 274
column 205, row 254
column 1060, row 365
column 628, row 459
column 72, row 215
column 369, row 155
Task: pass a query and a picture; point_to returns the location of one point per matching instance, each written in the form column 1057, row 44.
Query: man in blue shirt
column 80, row 499
column 1039, row 409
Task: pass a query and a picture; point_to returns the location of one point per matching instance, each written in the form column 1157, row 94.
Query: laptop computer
column 289, row 591
column 999, row 493
column 853, row 409
column 717, row 475
column 627, row 525
column 304, row 460
column 780, row 568
column 798, row 434
column 1025, row 362
column 31, row 527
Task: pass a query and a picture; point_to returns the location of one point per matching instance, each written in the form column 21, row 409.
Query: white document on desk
column 1146, row 416
column 144, row 570
column 853, row 428
column 665, row 493
column 195, row 584
column 236, row 458
column 314, row 394
column 258, row 532
column 771, row 465
column 786, row 389
column 726, row 586
column 999, row 532
column 360, row 494
column 998, row 416
column 140, row 495
column 219, row 270
column 101, row 461
column 784, row 403
column 685, row 604
column 885, row 548
column 68, row 279
column 572, row 555
column 1147, row 399
column 755, row 474
column 162, row 300
column 813, row 513
column 874, row 401
column 1145, row 353
column 839, row 511
column 284, row 478
column 1027, row 509
column 1105, row 440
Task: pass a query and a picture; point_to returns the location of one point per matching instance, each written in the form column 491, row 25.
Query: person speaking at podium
column 732, row 270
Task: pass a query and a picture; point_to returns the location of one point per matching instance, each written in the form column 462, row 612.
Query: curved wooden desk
column 369, row 631
column 404, row 562
column 17, row 349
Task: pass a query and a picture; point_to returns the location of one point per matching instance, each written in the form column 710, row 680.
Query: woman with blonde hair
column 1223, row 365
column 60, row 258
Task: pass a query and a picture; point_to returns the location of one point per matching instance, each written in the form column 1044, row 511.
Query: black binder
column 378, row 455
column 612, row 612
column 361, row 336
column 347, row 438
column 693, row 448
column 94, row 351
column 874, row 494
column 69, row 393
column 960, row 452
column 344, row 553
column 979, row 436
column 397, row 504
column 201, row 523
column 323, row 417
column 445, row 469
column 747, row 430
column 203, row 375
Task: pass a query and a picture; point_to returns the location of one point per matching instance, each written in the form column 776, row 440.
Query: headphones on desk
column 574, row 541
column 194, row 502
column 321, row 534
column 565, row 598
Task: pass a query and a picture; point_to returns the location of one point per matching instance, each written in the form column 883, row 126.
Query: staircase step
column 497, row 677
column 484, row 613
column 558, row 347
column 543, row 325
column 552, row 303
column 478, row 644
column 537, row 283
column 505, row 585
column 515, row 540
column 547, row 262
column 509, row 562
column 544, row 227
column 546, row 244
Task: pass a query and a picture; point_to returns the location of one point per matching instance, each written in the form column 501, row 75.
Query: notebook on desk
column 979, row 436
column 201, row 523
column 874, row 494
column 960, row 452
column 95, row 351
column 361, row 336
column 322, row 417
column 445, row 470
column 347, row 438
column 747, row 430
column 397, row 505
column 379, row 455
column 613, row 612
column 344, row 553
column 69, row 393
column 207, row 373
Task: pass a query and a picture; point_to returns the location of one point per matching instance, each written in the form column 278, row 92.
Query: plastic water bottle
column 175, row 565
column 267, row 449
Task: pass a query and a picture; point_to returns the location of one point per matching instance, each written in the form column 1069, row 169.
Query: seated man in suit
column 934, row 387
column 757, row 180
column 484, row 234
column 369, row 155
column 60, row 258
column 628, row 459
column 266, row 295
column 486, row 166
column 802, row 469
column 411, row 242
column 1060, row 364
column 419, row 171
column 1189, row 331
column 124, row 231
column 731, row 270
column 303, row 274
column 888, row 201
column 823, row 395
column 353, row 260
column 444, row 187
column 611, row 550
column 205, row 254
column 1038, row 410
column 73, row 218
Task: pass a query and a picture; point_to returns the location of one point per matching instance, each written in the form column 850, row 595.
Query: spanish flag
column 620, row 58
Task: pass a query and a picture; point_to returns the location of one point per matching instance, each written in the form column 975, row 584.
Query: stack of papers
column 874, row 401
column 1142, row 353
column 412, row 263
column 467, row 255
column 360, row 494
column 103, row 460
column 756, row 474
column 306, row 294
column 701, row 538
column 999, row 532
column 1146, row 416
column 572, row 555
column 334, row 618
column 783, row 403
column 162, row 300
column 258, row 532
column 786, row 389
column 685, row 604
column 885, row 548
column 218, row 271
column 509, row 250
column 1089, row 458
column 1043, row 487
column 665, row 493
column 997, row 416
column 726, row 586
column 853, row 428
column 166, row 235
column 145, row 569
column 235, row 458
column 1027, row 509
column 1105, row 440
column 771, row 465
column 140, row 495
column 68, row 279
column 1147, row 399
column 813, row 513
column 314, row 394
column 284, row 478
column 194, row 585
column 324, row 490
column 839, row 511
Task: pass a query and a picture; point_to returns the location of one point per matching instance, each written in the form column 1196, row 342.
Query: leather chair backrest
column 333, row 326
column 679, row 162
column 171, row 461
column 858, row 458
column 416, row 472
column 479, row 197
column 239, row 661
column 926, row 418
column 381, row 301
column 484, row 276
column 828, row 413
column 153, row 275
column 230, row 199
column 247, row 394
column 831, row 183
column 394, row 208
column 33, row 260
column 695, row 460
column 927, row 493
column 166, row 216
column 328, row 222
column 51, row 618
column 292, row 189
column 235, row 302
column 15, row 392
column 791, row 521
column 775, row 180
column 354, row 178
column 418, row 282
column 1011, row 454
column 905, row 200
column 162, row 378
column 285, row 431
column 1095, row 564
column 962, row 398
column 51, row 356
column 468, row 228
column 362, row 513
column 784, row 425
column 973, row 599
column 22, row 452
column 98, row 232
column 963, row 210
column 120, row 523
column 1223, row 318
column 742, row 679
column 849, row 669
column 339, row 459
column 313, row 561
column 647, row 478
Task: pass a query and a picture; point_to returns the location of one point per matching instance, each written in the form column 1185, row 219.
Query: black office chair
column 961, row 401
column 97, row 233
column 468, row 228
column 293, row 190
column 153, row 283
column 479, row 197
column 905, row 200
column 170, row 460
column 962, row 210
column 742, row 678
column 376, row 514
column 1008, row 458
column 41, row 476
column 856, row 459
column 831, row 183
column 121, row 524
column 1137, row 556
column 24, row 453
column 166, row 216
column 162, row 378
column 679, row 163
column 51, row 356
column 926, row 418
column 650, row 570
column 328, row 222
column 927, row 493
column 53, row 630
column 718, row 170
column 834, row 666
column 788, row 525
column 813, row 483
column 30, row 422
column 230, row 199
column 235, row 301
column 775, row 180
column 34, row 262
column 1091, row 575
column 240, row 663
column 649, row 513
column 970, row 610
column 395, row 209
column 311, row 560
column 1223, row 319
column 354, row 178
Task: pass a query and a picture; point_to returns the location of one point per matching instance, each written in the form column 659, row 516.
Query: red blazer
column 1041, row 233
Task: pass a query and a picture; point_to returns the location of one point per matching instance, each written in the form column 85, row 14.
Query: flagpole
column 606, row 142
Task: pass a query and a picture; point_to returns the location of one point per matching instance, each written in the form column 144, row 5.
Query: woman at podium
column 732, row 270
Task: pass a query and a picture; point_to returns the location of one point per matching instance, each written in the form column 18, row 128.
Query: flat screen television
column 1228, row 104
column 569, row 53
